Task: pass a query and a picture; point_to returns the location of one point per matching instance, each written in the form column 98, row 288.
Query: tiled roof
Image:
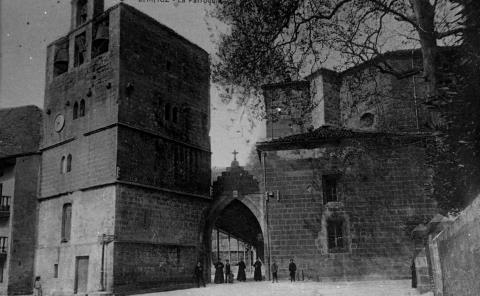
column 326, row 134
column 20, row 130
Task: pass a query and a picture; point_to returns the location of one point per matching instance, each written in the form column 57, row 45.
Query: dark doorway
column 236, row 235
column 81, row 274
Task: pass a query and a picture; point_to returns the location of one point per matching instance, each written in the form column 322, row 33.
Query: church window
column 80, row 49
column 175, row 114
column 66, row 222
column 335, row 236
column 69, row 163
column 81, row 12
column 81, row 110
column 55, row 271
column 63, row 165
column 167, row 111
column 329, row 183
column 75, row 110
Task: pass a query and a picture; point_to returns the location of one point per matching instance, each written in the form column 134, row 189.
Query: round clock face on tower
column 59, row 123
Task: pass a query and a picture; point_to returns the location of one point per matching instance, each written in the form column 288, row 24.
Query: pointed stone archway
column 237, row 209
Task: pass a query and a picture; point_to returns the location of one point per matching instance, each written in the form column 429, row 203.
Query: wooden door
column 81, row 274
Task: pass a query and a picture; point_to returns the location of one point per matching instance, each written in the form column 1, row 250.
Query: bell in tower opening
column 101, row 38
column 60, row 62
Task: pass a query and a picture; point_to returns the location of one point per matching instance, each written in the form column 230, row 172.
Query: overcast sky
column 27, row 26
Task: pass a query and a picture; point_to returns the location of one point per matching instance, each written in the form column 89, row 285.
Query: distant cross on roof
column 234, row 154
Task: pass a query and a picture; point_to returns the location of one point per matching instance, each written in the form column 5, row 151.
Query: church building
column 345, row 172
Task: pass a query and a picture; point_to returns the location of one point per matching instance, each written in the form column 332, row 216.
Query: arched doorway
column 235, row 234
column 235, row 224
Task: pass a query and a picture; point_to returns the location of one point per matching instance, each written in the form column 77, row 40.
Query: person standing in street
column 292, row 268
column 228, row 273
column 37, row 287
column 219, row 273
column 199, row 274
column 241, row 276
column 274, row 271
column 257, row 275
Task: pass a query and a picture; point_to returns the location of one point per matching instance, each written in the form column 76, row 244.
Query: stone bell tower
column 125, row 155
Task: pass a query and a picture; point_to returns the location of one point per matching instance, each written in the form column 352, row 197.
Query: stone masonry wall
column 162, row 163
column 158, row 238
column 23, row 225
column 459, row 253
column 396, row 104
column 381, row 197
column 288, row 108
column 93, row 163
column 160, row 68
column 93, row 214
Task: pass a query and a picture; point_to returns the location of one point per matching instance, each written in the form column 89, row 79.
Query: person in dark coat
column 274, row 269
column 228, row 273
column 292, row 268
column 257, row 275
column 219, row 273
column 199, row 274
column 241, row 277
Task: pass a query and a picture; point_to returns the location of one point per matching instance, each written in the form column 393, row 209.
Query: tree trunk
column 424, row 15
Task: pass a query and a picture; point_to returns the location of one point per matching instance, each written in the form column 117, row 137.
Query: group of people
column 292, row 269
column 241, row 276
column 219, row 279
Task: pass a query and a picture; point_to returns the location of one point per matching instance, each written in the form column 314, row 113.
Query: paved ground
column 284, row 288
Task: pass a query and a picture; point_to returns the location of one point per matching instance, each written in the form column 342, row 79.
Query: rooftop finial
column 234, row 162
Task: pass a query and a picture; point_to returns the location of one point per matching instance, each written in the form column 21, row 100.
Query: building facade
column 351, row 179
column 125, row 155
column 19, row 180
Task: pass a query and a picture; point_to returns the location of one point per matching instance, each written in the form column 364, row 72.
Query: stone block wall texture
column 381, row 198
column 288, row 108
column 158, row 238
column 21, row 130
column 23, row 225
column 163, row 69
column 324, row 90
column 93, row 214
column 395, row 103
column 459, row 253
column 149, row 174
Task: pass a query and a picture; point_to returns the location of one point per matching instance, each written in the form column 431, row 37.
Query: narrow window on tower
column 69, row 163
column 80, row 49
column 63, row 165
column 329, row 183
column 335, row 236
column 75, row 110
column 66, row 222
column 55, row 271
column 81, row 110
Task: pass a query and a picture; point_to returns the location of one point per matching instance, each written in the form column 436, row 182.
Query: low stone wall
column 459, row 253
